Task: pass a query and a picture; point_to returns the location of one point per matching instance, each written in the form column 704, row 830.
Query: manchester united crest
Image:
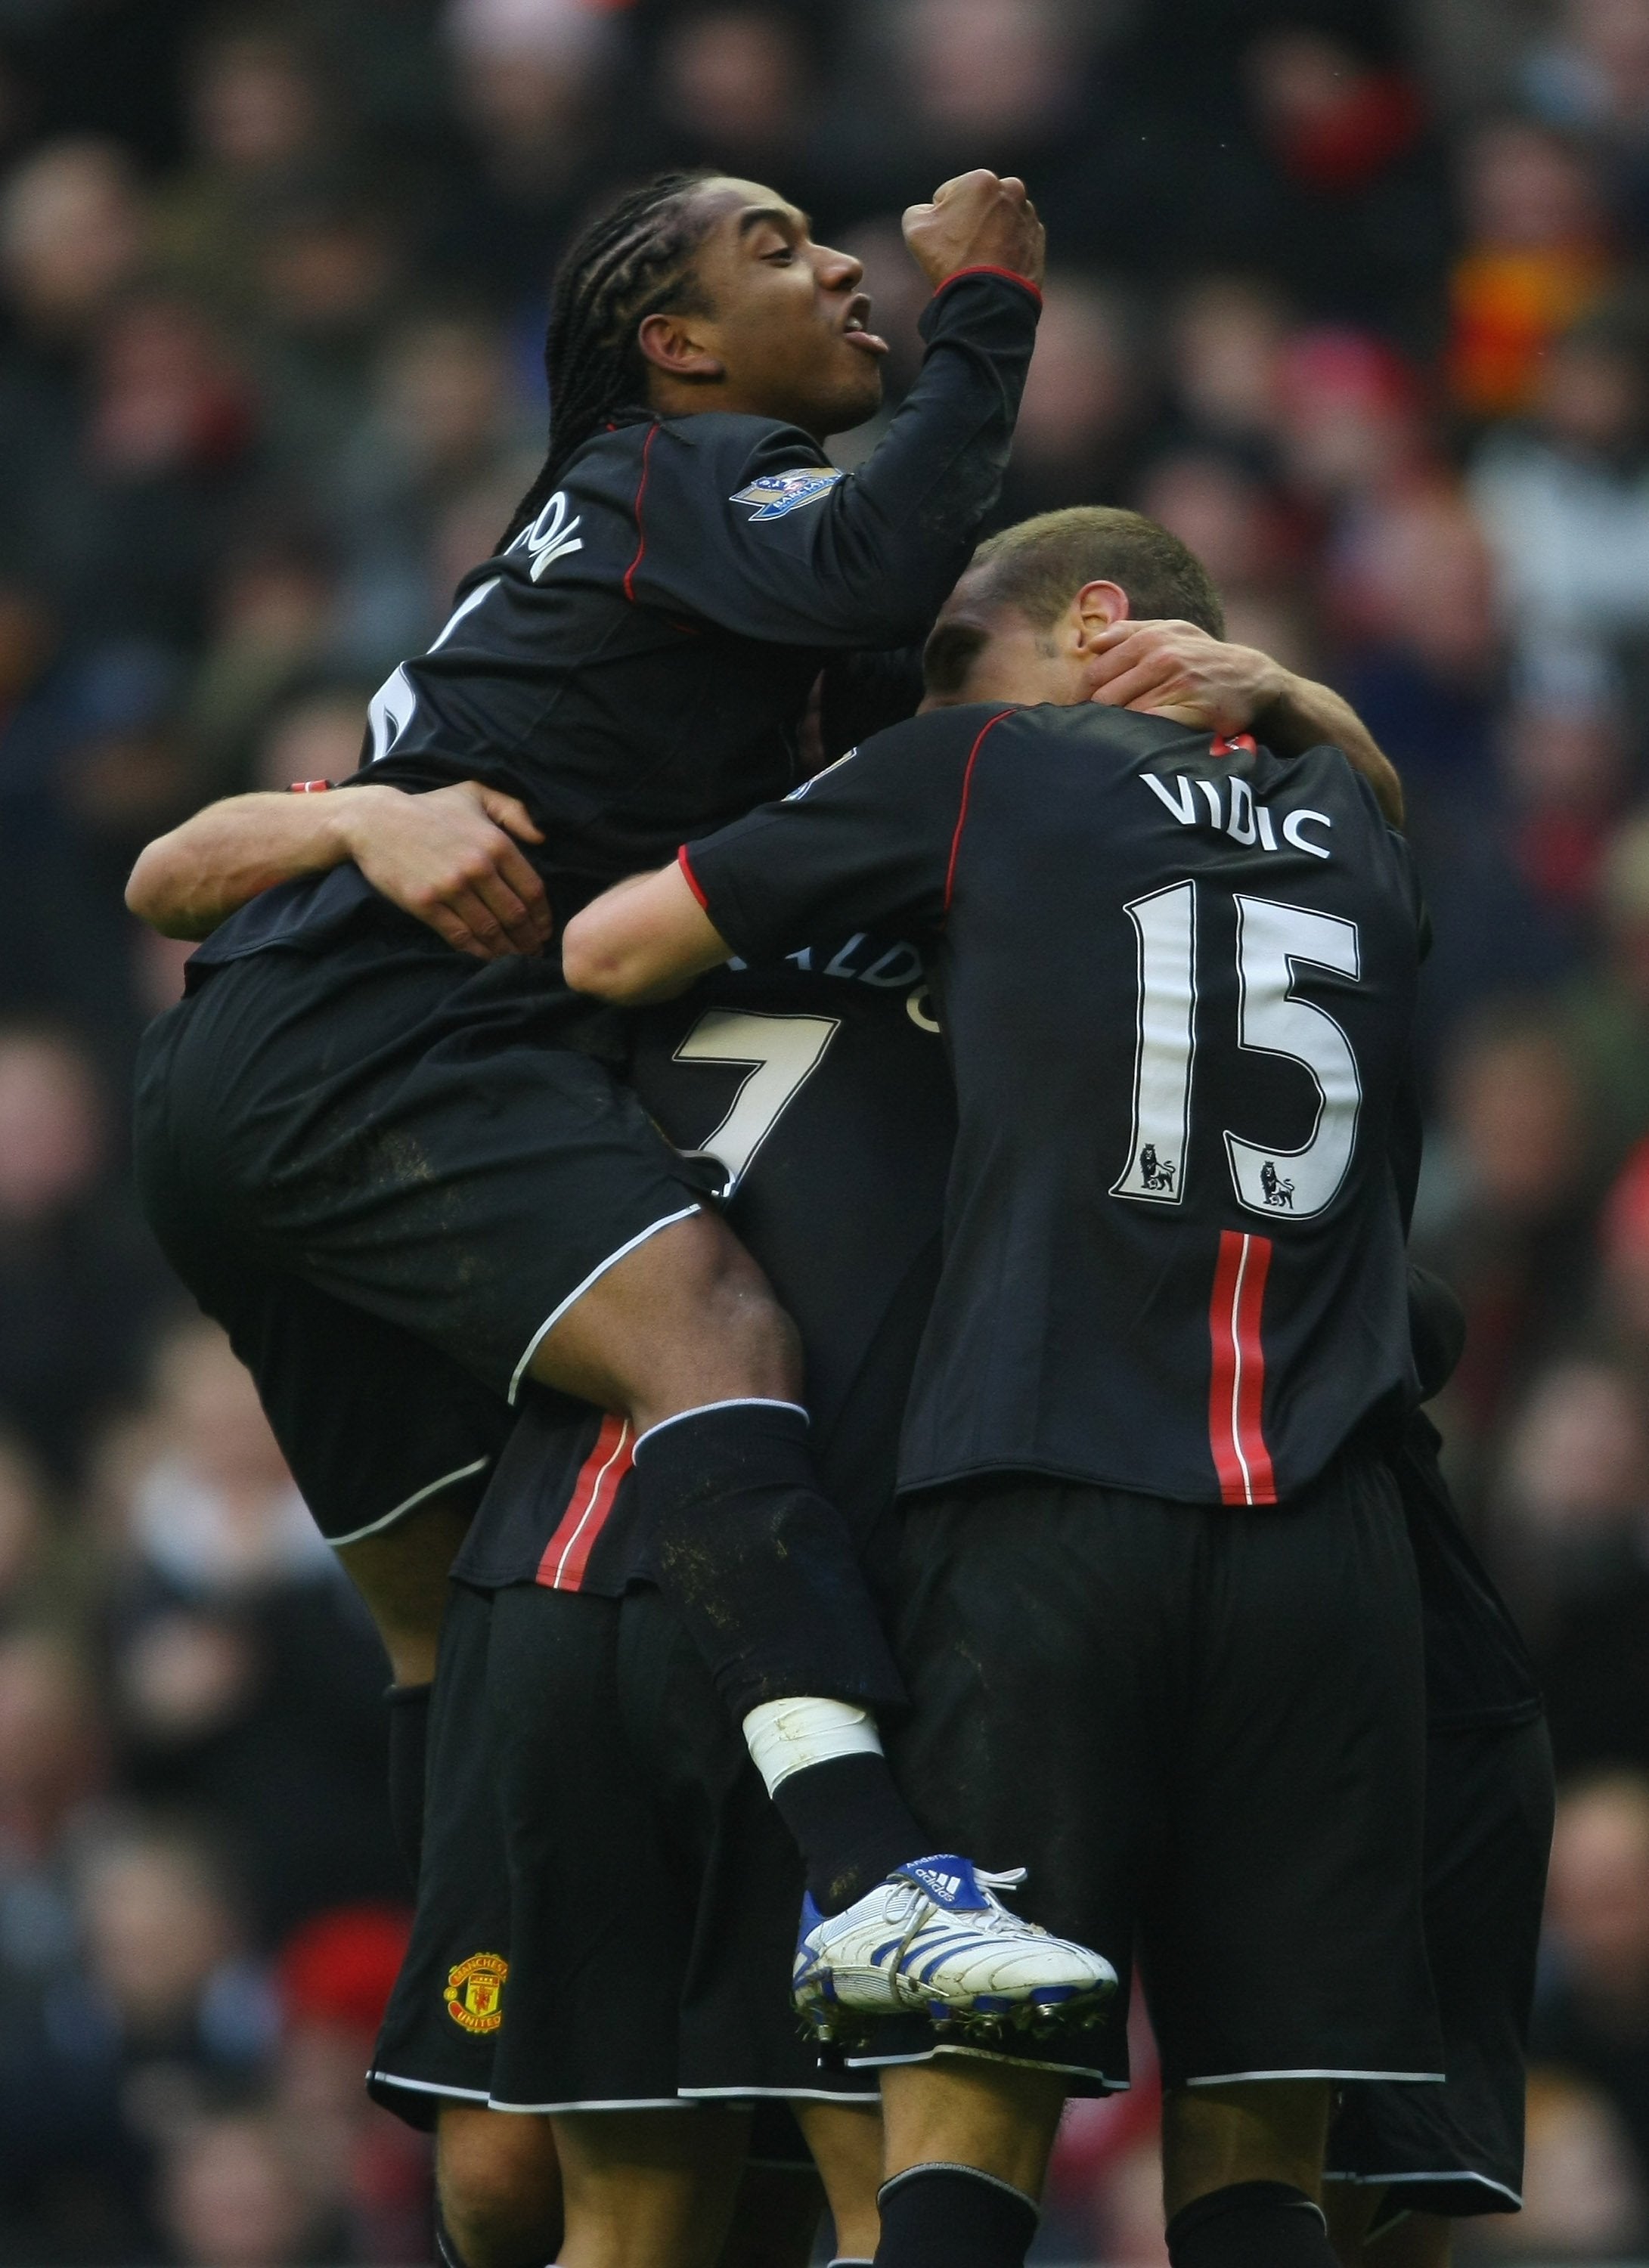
column 474, row 1992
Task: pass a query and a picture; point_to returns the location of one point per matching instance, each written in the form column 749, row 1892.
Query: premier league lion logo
column 777, row 493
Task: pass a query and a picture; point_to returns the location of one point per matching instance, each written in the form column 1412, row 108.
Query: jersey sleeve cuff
column 693, row 883
column 1009, row 275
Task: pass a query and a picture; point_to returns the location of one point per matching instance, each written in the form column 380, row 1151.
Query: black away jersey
column 636, row 666
column 1176, row 981
column 821, row 1087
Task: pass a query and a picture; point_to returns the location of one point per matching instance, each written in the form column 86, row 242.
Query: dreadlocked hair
column 632, row 261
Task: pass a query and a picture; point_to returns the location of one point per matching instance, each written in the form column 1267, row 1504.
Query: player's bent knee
column 687, row 1318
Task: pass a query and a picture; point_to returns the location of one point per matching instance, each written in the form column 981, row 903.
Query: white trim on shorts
column 426, row 2087
column 627, row 2103
column 731, row 1402
column 773, row 2094
column 577, row 1292
column 1452, row 2174
column 992, row 2054
column 1241, row 2078
column 409, row 1504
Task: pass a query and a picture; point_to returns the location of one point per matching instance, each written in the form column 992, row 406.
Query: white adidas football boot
column 933, row 1940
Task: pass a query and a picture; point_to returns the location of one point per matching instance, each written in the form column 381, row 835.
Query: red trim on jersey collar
column 1236, row 1382
column 983, row 267
column 686, row 865
column 594, row 1492
column 961, row 815
column 641, row 540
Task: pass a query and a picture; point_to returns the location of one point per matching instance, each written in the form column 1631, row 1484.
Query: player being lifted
column 404, row 1183
column 1145, row 1499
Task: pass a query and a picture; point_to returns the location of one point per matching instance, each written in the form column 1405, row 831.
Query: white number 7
column 783, row 1053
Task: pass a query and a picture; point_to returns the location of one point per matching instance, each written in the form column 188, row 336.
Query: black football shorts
column 445, row 2020
column 387, row 1172
column 1201, row 1730
column 636, row 1946
column 1458, row 2148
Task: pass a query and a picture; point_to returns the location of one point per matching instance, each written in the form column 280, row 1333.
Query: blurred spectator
column 1415, row 601
column 189, row 2014
column 1535, row 258
column 1352, row 423
column 248, row 1678
column 1084, row 402
column 1594, row 76
column 442, row 422
column 360, row 2163
column 1506, row 1193
column 78, row 1292
column 1570, row 1501
column 1229, row 519
column 1225, row 342
column 331, row 272
column 731, row 93
column 32, row 1570
column 1606, row 1009
column 72, row 232
column 1591, row 2011
column 272, row 625
column 1334, row 171
column 263, row 120
column 1584, row 2195
column 71, row 2171
column 534, row 78
column 232, row 2196
column 1564, row 502
column 1564, row 763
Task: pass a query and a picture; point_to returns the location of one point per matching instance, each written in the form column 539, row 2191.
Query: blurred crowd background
column 1356, row 299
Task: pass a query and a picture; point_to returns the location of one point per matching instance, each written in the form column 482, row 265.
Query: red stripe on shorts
column 594, row 1492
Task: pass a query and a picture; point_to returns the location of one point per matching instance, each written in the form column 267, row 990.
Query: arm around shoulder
column 1306, row 714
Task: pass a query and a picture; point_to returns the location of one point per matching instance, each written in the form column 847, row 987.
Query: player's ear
column 1097, row 607
column 675, row 344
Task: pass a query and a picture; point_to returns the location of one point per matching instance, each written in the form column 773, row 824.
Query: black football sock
column 760, row 1567
column 408, row 1757
column 1251, row 2225
column 762, row 1571
column 851, row 1826
column 953, row 2216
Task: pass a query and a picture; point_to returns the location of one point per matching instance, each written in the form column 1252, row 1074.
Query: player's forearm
column 1306, row 714
column 643, row 940
column 908, row 521
column 187, row 882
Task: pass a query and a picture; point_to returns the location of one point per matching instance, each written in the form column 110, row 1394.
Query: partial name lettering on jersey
column 551, row 536
column 776, row 494
column 1229, row 806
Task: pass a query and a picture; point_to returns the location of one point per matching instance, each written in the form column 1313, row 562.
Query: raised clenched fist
column 976, row 221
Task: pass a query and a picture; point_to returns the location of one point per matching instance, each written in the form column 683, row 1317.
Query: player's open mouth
column 854, row 332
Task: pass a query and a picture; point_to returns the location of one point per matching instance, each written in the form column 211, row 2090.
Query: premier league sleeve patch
column 777, row 493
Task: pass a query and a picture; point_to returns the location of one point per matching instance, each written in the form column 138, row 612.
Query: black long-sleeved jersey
column 1176, row 981
column 635, row 666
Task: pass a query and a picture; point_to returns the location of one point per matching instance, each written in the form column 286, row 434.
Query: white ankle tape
column 787, row 1736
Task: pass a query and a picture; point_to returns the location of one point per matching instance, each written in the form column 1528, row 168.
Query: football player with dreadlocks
column 405, row 1178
